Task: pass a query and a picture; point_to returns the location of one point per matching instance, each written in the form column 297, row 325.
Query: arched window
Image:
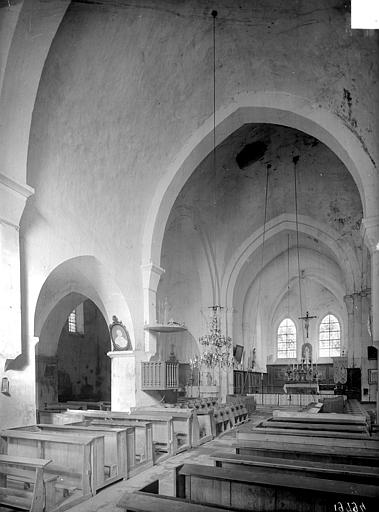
column 286, row 339
column 72, row 322
column 330, row 337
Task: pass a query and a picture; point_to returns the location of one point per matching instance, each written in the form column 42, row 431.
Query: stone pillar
column 366, row 341
column 370, row 233
column 123, row 380
column 349, row 301
column 151, row 275
column 13, row 196
column 357, row 336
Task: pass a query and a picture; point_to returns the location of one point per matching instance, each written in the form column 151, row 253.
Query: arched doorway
column 84, row 369
column 76, row 366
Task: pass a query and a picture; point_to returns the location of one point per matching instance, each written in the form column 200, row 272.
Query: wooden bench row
column 314, row 469
column 241, row 485
column 268, row 428
column 164, row 437
column 23, row 483
column 174, row 429
column 82, row 458
column 328, row 418
column 284, row 437
column 316, row 452
column 316, row 425
column 359, row 474
column 267, row 489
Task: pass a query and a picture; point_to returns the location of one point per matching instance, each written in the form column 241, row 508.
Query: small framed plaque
column 373, row 376
column 119, row 335
column 5, row 386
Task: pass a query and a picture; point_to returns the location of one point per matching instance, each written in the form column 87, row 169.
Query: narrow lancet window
column 330, row 337
column 286, row 339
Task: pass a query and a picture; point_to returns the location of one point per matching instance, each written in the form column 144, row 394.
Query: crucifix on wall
column 306, row 319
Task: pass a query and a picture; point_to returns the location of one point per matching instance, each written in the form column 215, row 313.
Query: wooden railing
column 159, row 375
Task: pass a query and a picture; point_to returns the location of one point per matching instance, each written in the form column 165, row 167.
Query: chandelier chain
column 297, row 244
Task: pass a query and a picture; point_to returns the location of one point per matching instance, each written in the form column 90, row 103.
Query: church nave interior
column 189, row 242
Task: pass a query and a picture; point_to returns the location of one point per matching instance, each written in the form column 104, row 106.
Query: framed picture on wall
column 5, row 385
column 119, row 335
column 373, row 376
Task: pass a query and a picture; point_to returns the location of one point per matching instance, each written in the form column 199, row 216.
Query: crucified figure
column 306, row 319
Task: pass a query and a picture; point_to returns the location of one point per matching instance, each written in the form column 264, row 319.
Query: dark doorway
column 353, row 384
column 84, row 368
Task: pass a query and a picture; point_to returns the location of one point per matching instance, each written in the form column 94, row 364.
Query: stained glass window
column 286, row 339
column 72, row 322
column 330, row 337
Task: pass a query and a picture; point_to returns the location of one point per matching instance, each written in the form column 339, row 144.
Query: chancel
column 189, row 256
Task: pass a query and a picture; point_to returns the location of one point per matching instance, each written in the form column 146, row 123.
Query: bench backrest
column 119, row 443
column 343, row 455
column 320, row 441
column 363, row 474
column 261, row 490
column 79, row 457
column 27, row 462
column 143, row 434
column 279, row 415
column 146, row 502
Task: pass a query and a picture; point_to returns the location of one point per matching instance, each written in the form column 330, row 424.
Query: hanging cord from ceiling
column 295, row 160
column 263, row 244
column 214, row 15
column 263, row 236
column 216, row 298
column 262, row 261
column 288, row 275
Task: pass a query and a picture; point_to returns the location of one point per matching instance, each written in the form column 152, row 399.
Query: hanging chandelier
column 217, row 347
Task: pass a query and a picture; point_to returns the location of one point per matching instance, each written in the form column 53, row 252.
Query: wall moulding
column 13, row 196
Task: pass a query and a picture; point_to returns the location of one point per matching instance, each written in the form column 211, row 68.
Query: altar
column 305, row 388
column 302, row 378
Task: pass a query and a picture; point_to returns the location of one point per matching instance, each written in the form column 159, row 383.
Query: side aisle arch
column 70, row 282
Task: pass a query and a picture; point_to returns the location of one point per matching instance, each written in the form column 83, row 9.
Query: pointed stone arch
column 260, row 107
column 343, row 252
column 82, row 276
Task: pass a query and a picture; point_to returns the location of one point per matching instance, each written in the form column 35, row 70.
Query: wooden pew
column 342, row 419
column 260, row 429
column 164, row 440
column 205, row 420
column 361, row 474
column 185, row 424
column 146, row 502
column 314, row 425
column 101, row 405
column 260, row 490
column 102, row 417
column 24, row 484
column 316, row 452
column 117, row 457
column 143, row 440
column 335, row 404
column 257, row 435
column 162, row 427
column 78, row 460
